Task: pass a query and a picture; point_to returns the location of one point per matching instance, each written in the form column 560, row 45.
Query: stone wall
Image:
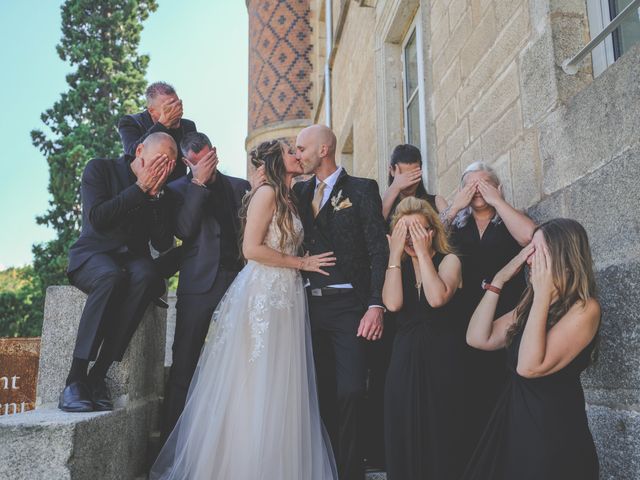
column 563, row 146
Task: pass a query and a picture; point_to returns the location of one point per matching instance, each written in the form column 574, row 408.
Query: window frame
column 420, row 92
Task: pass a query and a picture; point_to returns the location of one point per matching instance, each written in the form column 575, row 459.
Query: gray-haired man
column 163, row 114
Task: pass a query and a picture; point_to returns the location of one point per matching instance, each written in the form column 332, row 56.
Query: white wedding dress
column 252, row 410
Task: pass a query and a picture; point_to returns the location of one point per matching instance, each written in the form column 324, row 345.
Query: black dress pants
column 119, row 288
column 341, row 370
column 193, row 316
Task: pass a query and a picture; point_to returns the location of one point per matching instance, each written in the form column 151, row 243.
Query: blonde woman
column 539, row 428
column 423, row 390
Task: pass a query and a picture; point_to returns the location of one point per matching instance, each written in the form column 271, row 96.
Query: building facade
column 469, row 80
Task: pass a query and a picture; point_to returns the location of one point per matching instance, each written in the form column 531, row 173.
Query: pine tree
column 100, row 41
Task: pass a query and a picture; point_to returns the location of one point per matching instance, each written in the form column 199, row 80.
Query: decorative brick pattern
column 279, row 62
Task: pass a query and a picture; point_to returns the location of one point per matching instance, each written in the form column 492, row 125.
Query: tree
column 19, row 306
column 100, row 41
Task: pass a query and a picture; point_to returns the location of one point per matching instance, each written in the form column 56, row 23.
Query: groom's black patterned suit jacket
column 356, row 233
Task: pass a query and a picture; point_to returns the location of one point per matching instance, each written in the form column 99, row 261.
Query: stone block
column 457, row 142
column 606, row 203
column 456, row 10
column 507, row 44
column 495, row 101
column 525, row 171
column 615, row 375
column 498, row 138
column 171, row 328
column 139, row 375
column 446, row 122
column 595, row 126
column 479, row 43
column 471, row 154
column 447, row 88
column 538, row 78
column 502, row 166
column 505, row 10
column 46, row 444
column 550, row 207
column 617, row 437
column 448, row 181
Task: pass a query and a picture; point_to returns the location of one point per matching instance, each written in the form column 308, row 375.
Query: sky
column 199, row 46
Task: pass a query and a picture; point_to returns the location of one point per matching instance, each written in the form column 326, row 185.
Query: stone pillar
column 47, row 443
column 279, row 69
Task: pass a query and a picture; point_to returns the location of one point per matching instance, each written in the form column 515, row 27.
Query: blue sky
column 200, row 46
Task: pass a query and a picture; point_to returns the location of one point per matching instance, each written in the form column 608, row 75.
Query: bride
column 252, row 409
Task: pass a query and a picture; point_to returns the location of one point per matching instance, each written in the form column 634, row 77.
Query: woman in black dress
column 539, row 428
column 405, row 180
column 423, row 390
column 486, row 233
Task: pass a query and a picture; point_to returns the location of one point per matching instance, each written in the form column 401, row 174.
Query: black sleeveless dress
column 485, row 372
column 539, row 428
column 424, row 386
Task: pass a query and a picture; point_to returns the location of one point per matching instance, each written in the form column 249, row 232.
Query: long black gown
column 485, row 372
column 539, row 428
column 423, row 390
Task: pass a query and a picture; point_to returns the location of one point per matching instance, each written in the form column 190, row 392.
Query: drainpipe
column 327, row 70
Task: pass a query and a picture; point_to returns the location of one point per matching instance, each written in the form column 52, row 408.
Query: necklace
column 419, row 288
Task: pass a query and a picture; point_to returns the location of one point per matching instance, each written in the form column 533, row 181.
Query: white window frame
column 422, row 114
column 599, row 15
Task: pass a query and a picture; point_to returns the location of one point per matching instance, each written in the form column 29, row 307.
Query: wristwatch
column 492, row 288
column 157, row 196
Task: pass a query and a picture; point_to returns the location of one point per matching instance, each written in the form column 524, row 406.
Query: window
column 413, row 91
column 601, row 12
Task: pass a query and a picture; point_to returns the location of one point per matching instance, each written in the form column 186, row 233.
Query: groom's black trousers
column 193, row 316
column 341, row 369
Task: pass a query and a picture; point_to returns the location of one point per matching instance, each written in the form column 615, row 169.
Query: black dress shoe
column 76, row 397
column 100, row 395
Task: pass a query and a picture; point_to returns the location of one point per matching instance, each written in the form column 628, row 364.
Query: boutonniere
column 339, row 203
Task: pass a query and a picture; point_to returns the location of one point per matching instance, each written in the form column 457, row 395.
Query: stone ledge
column 617, row 437
column 47, row 443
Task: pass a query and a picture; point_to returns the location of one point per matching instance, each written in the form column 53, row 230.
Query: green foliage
column 20, row 303
column 99, row 41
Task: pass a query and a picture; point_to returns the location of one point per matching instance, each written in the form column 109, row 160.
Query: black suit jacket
column 200, row 231
column 357, row 233
column 117, row 214
column 133, row 129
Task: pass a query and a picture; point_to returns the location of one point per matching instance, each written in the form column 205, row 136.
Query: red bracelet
column 492, row 288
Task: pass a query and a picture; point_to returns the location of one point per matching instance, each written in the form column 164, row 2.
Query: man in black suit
column 163, row 114
column 341, row 214
column 123, row 208
column 206, row 220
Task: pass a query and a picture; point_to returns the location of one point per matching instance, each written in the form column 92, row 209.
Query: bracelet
column 393, row 266
column 198, row 182
column 492, row 288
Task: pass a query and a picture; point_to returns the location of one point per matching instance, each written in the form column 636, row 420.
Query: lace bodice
column 272, row 240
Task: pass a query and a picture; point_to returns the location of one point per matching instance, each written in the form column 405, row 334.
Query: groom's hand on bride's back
column 315, row 263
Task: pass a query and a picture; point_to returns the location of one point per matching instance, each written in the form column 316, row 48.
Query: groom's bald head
column 315, row 144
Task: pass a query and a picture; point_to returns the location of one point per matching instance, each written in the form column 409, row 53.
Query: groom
column 342, row 214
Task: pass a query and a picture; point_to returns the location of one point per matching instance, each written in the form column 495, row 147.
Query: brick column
column 279, row 69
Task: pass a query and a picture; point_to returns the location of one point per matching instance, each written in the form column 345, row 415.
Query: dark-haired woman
column 538, row 429
column 405, row 180
column 252, row 410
